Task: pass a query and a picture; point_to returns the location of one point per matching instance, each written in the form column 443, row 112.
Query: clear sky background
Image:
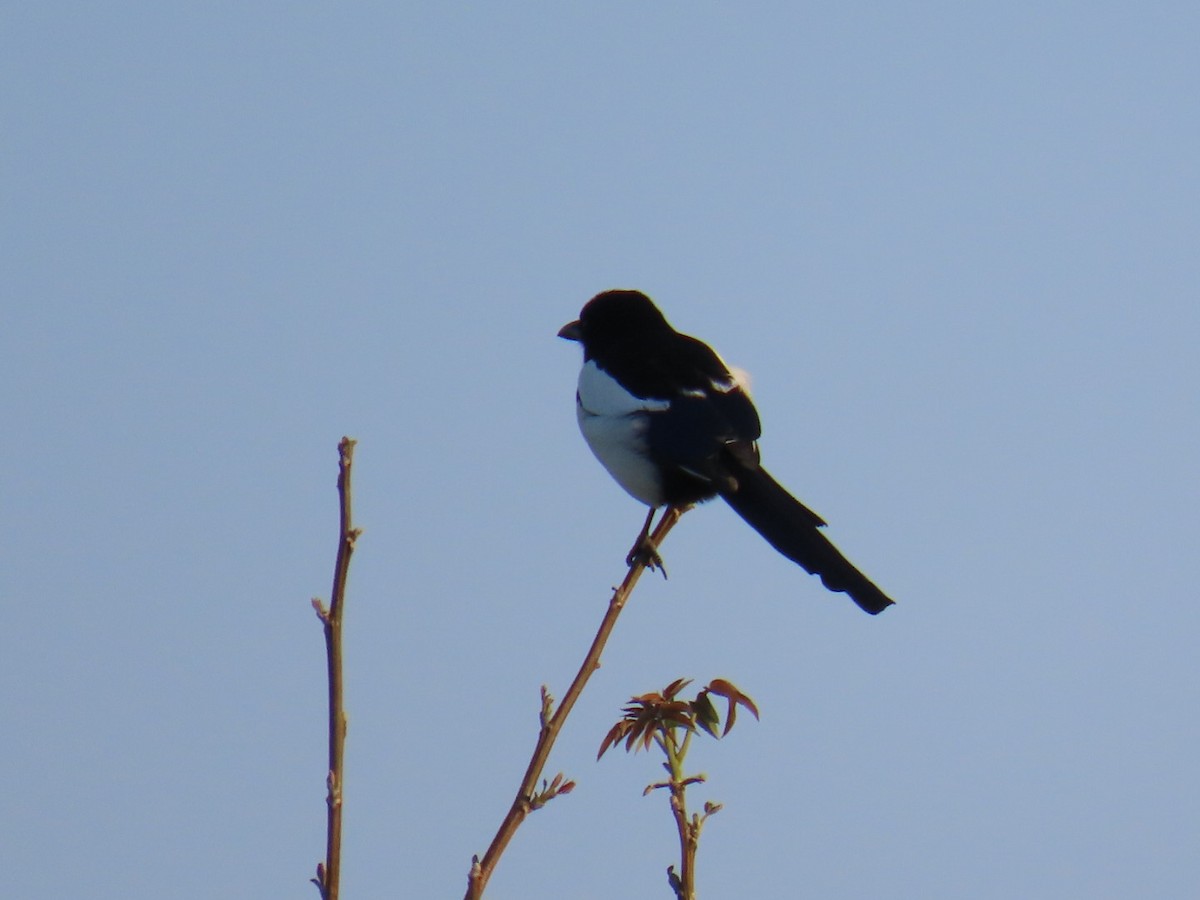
column 954, row 244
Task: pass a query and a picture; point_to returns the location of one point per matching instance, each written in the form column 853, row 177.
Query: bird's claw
column 647, row 554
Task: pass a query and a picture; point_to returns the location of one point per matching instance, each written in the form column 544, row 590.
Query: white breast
column 614, row 423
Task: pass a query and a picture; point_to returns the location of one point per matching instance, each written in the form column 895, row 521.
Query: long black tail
column 793, row 529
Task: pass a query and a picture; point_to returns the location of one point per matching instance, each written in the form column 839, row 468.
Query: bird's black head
column 613, row 315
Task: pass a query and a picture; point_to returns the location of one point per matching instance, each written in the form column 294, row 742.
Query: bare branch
column 329, row 871
column 552, row 723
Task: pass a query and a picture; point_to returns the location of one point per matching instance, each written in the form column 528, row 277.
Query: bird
column 675, row 426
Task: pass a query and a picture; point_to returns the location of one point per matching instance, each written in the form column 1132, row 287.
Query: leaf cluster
column 648, row 715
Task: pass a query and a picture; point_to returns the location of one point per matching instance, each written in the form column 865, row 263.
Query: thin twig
column 689, row 830
column 522, row 805
column 329, row 872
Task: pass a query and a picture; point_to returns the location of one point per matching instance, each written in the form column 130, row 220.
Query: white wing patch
column 738, row 378
column 602, row 395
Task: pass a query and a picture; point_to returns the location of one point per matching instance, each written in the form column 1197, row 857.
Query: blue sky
column 953, row 244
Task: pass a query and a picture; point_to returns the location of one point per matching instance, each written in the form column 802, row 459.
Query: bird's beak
column 572, row 331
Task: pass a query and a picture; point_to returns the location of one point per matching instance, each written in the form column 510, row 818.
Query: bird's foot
column 646, row 553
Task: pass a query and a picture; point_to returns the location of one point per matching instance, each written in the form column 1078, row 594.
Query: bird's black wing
column 710, row 417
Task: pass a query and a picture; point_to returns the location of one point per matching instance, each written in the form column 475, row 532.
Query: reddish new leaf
column 735, row 697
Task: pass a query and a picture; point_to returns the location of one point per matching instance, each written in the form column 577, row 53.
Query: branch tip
column 329, row 871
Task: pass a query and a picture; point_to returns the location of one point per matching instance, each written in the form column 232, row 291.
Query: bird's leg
column 642, row 546
column 645, row 550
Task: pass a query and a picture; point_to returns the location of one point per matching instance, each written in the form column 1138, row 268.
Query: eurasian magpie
column 675, row 426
